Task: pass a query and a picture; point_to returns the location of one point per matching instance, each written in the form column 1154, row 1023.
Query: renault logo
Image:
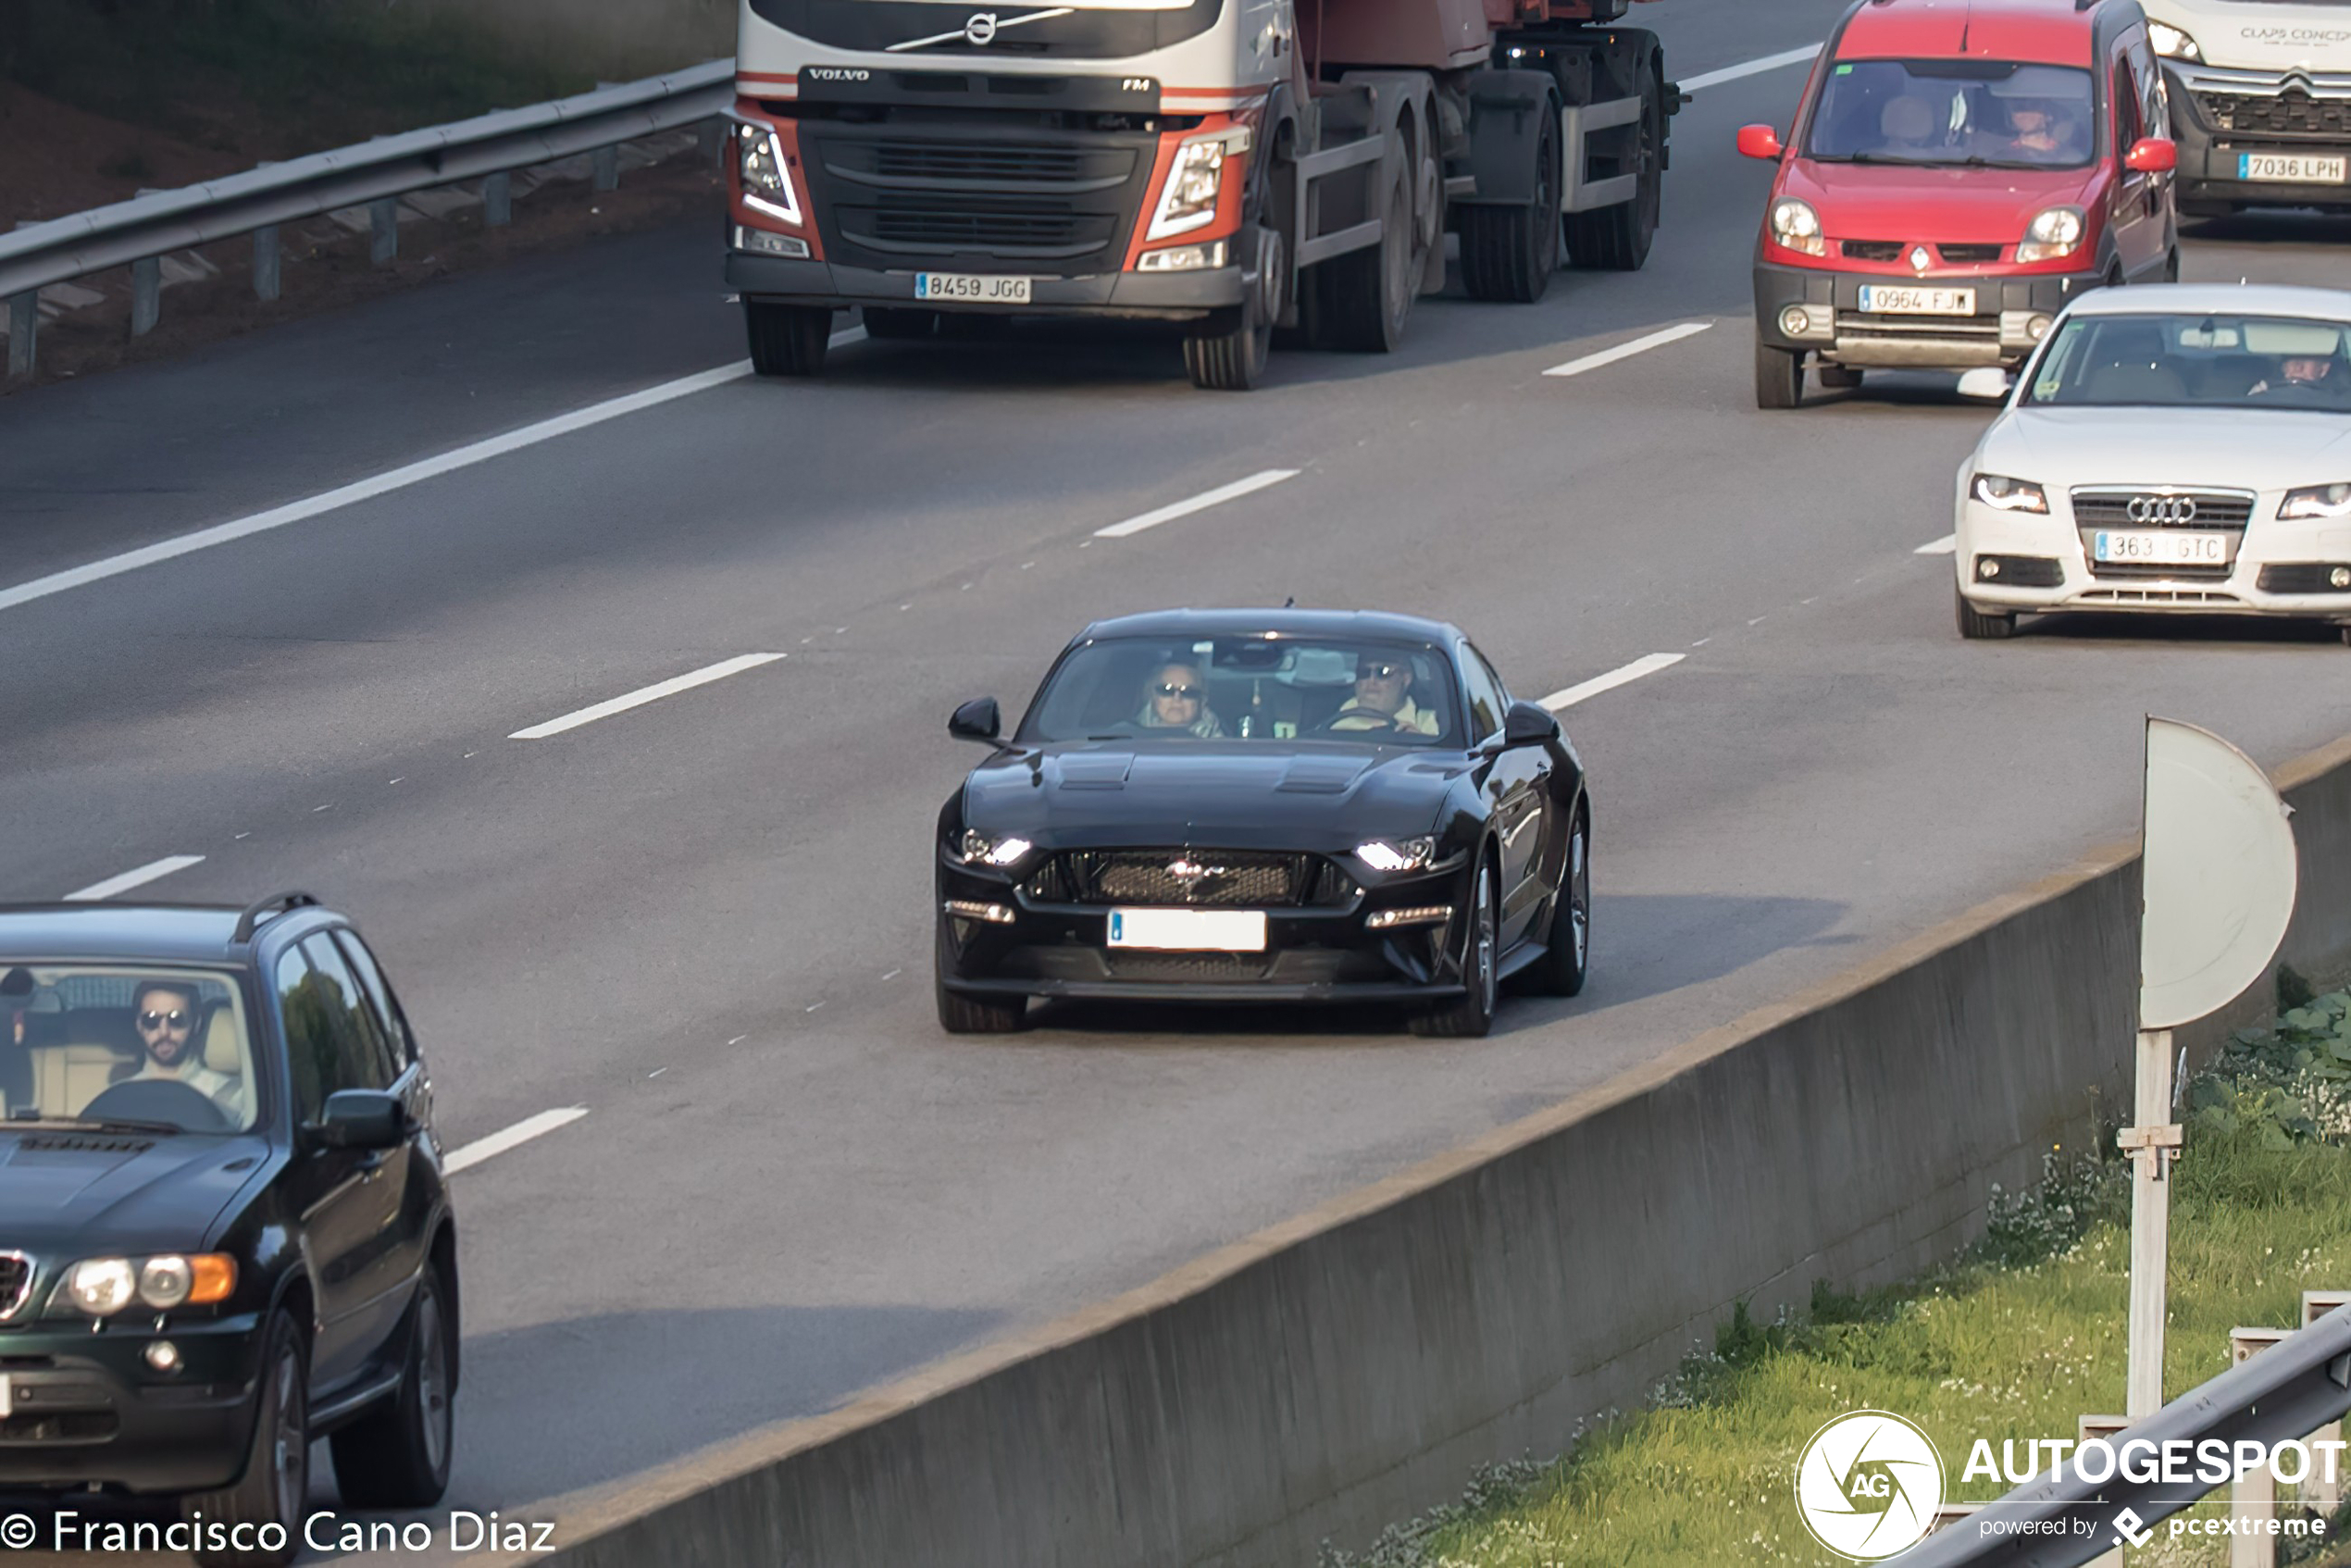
column 2170, row 509
column 1919, row 260
column 980, row 30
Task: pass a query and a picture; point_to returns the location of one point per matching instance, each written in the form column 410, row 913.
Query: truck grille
column 16, row 1283
column 1198, row 878
column 2290, row 113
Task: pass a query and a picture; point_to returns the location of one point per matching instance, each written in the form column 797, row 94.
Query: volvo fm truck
column 2260, row 95
column 1238, row 167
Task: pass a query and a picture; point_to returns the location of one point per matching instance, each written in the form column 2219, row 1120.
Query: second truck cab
column 2260, row 95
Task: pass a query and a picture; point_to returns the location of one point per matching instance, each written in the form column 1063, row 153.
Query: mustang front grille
column 1198, row 878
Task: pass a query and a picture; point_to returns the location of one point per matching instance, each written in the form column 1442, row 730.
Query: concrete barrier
column 1351, row 1366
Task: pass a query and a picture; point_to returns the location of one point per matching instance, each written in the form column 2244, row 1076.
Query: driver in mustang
column 1383, row 700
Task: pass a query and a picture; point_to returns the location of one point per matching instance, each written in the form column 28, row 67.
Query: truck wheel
column 1978, row 625
column 1510, row 253
column 1368, row 294
column 787, row 340
column 1617, row 238
column 891, row 322
column 1233, row 357
column 1778, row 376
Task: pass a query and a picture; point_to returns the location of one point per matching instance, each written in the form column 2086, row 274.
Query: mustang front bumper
column 2044, row 563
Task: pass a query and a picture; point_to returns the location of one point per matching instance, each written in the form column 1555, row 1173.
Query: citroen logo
column 980, row 30
column 1919, row 260
column 2169, row 509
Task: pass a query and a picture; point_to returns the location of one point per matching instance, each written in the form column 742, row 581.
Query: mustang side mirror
column 1528, row 725
column 977, row 720
column 1988, row 383
column 1761, row 141
column 2153, row 154
column 359, row 1118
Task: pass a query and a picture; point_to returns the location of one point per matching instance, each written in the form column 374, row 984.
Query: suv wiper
column 98, row 1124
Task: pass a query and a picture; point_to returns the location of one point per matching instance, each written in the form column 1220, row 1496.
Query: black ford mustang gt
column 1264, row 805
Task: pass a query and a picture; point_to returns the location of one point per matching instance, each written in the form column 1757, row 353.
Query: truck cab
column 2261, row 100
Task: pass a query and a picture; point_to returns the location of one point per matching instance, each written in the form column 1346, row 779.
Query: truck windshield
column 1989, row 112
column 2198, row 361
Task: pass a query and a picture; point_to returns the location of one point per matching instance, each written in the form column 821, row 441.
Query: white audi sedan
column 2174, row 448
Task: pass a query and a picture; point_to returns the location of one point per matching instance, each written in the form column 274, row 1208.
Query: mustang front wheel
column 1472, row 1015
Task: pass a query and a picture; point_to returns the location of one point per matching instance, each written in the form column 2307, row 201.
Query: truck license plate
column 2169, row 547
column 1882, row 299
column 973, row 288
column 2294, row 169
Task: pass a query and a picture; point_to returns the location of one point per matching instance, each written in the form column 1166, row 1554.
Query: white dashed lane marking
column 522, row 1132
column 644, row 694
column 1648, row 664
column 1199, row 503
column 1947, row 546
column 137, row 877
column 1626, row 351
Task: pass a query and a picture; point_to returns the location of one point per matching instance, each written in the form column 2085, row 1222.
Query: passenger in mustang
column 1175, row 697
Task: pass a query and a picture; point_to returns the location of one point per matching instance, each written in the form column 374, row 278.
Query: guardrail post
column 265, row 261
column 146, row 294
column 2253, row 1496
column 607, row 165
column 498, row 199
column 2323, row 1491
column 383, row 218
column 2084, row 1428
column 24, row 326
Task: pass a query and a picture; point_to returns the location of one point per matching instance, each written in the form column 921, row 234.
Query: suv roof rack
column 262, row 909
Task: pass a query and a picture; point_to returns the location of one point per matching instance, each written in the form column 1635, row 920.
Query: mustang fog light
column 1427, row 914
column 163, row 1355
column 972, row 909
column 1184, row 259
column 1987, row 569
column 2339, row 578
column 773, row 244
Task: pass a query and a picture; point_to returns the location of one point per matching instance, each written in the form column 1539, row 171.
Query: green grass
column 2015, row 1340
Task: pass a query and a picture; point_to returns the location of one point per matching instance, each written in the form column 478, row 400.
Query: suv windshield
column 119, row 1042
column 1264, row 687
column 1991, row 112
column 2203, row 361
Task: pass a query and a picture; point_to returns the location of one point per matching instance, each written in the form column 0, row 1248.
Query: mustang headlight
column 2008, row 495
column 1795, row 225
column 103, row 1286
column 767, row 182
column 2052, row 233
column 1195, row 183
column 1398, row 854
column 2173, row 44
column 2318, row 501
column 976, row 848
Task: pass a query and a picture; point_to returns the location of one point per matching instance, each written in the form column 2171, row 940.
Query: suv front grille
column 1199, row 878
column 16, row 1283
column 2292, row 113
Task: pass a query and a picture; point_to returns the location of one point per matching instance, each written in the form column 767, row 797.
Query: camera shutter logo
column 1868, row 1485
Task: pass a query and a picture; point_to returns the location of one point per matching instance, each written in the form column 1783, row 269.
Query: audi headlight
column 2008, row 495
column 1195, row 182
column 2173, row 44
column 767, row 182
column 1398, row 854
column 1797, row 227
column 2054, row 234
column 2318, row 501
column 976, row 848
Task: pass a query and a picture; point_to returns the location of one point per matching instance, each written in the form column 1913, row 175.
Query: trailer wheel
column 1368, row 294
column 892, row 321
column 1617, row 238
column 1233, row 357
column 787, row 340
column 1510, row 253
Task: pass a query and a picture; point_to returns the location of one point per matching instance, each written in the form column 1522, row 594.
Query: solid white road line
column 522, row 1132
column 1648, row 664
column 380, row 484
column 644, row 694
column 1217, row 497
column 1947, row 546
column 1705, row 79
column 1626, row 351
column 130, row 879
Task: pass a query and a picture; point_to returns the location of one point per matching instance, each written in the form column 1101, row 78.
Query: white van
column 2261, row 100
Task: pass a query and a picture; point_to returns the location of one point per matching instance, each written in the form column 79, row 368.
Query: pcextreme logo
column 1868, row 1485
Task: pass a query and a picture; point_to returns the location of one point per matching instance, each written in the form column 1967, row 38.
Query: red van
column 1959, row 169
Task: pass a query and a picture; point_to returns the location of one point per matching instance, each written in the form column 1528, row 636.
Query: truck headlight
column 2054, row 234
column 767, row 180
column 1398, row 854
column 2008, row 495
column 2318, row 501
column 978, row 849
column 1195, row 183
column 2173, row 44
column 1797, row 227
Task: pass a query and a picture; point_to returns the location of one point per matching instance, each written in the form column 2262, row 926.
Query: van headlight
column 1797, row 227
column 2054, row 234
column 2318, row 501
column 767, row 180
column 2173, row 44
column 2007, row 494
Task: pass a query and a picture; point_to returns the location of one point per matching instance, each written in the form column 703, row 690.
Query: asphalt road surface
column 705, row 919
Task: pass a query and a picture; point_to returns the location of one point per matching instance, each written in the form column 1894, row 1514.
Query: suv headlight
column 766, row 181
column 2318, row 501
column 1195, row 183
column 1398, row 854
column 1797, row 227
column 103, row 1286
column 2054, row 234
column 2008, row 495
column 2173, row 44
column 976, row 848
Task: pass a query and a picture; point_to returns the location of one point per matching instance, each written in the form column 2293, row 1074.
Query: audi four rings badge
column 2161, row 509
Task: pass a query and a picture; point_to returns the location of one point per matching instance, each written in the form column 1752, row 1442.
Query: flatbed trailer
column 1251, row 170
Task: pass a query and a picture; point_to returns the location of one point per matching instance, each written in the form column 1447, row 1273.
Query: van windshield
column 1992, row 113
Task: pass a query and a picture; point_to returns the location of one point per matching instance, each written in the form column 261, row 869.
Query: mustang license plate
column 2161, row 547
column 974, row 287
column 1887, row 299
column 1189, row 931
column 2294, row 169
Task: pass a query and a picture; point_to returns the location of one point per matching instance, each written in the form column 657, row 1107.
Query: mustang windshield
column 1945, row 112
column 2199, row 361
column 100, row 1042
column 1249, row 688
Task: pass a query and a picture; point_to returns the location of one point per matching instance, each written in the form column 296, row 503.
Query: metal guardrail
column 374, row 173
column 2288, row 1392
